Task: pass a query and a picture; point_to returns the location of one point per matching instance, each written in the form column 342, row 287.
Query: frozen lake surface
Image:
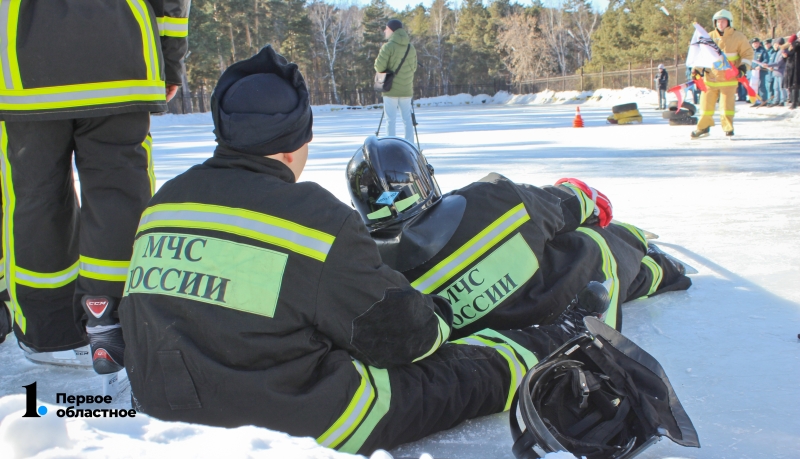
column 729, row 208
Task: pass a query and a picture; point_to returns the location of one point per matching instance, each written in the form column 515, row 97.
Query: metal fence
column 642, row 77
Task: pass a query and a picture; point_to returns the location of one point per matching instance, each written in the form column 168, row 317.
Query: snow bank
column 50, row 436
column 142, row 436
column 599, row 97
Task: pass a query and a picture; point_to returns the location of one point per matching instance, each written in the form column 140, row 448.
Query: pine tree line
column 471, row 46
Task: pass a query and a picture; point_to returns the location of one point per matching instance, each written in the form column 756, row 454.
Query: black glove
column 742, row 70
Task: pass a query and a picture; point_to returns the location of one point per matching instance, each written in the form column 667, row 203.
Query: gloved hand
column 742, row 70
column 696, row 74
column 602, row 205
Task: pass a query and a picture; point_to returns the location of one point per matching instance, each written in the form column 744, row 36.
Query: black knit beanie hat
column 260, row 106
column 394, row 24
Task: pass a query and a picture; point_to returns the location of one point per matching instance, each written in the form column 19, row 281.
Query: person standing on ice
column 392, row 53
column 505, row 255
column 740, row 55
column 662, row 81
column 255, row 300
column 79, row 80
column 761, row 56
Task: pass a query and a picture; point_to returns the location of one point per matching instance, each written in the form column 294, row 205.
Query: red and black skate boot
column 105, row 333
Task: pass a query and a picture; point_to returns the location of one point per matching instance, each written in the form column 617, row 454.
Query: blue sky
column 401, row 4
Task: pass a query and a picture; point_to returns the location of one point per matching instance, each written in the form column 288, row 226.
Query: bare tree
column 526, row 50
column 556, row 36
column 334, row 26
column 583, row 23
column 440, row 14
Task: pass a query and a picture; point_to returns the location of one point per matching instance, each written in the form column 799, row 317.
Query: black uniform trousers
column 54, row 251
column 470, row 377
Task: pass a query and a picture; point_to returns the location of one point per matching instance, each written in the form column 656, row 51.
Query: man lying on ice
column 505, row 255
column 255, row 300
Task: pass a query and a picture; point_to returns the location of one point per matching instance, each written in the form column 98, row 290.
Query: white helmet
column 723, row 14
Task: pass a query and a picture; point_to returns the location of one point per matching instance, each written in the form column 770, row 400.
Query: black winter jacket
column 249, row 296
column 83, row 58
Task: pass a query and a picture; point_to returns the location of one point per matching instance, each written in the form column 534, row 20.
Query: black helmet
column 390, row 181
column 599, row 396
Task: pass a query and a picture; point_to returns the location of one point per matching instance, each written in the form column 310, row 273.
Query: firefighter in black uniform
column 505, row 255
column 79, row 78
column 253, row 299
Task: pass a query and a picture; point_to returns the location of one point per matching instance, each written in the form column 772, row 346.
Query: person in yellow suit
column 740, row 54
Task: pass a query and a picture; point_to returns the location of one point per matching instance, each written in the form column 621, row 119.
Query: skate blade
column 117, row 385
column 74, row 358
column 649, row 235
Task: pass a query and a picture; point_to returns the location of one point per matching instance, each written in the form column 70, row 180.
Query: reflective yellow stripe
column 46, row 280
column 729, row 112
column 656, row 270
column 711, row 113
column 472, row 250
column 173, row 27
column 80, row 95
column 517, row 366
column 151, row 170
column 353, row 414
column 383, row 388
column 140, row 12
column 9, row 16
column 444, row 333
column 262, row 227
column 721, row 84
column 610, row 272
column 9, row 204
column 107, row 270
column 635, row 231
column 587, row 205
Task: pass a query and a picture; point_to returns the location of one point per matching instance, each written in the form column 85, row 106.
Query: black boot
column 697, row 133
column 105, row 333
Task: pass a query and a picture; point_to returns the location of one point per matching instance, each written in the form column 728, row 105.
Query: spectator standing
column 761, row 56
column 695, row 92
column 792, row 74
column 662, row 80
column 777, row 67
column 399, row 97
column 768, row 76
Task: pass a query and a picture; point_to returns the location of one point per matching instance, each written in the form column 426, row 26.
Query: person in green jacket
column 402, row 90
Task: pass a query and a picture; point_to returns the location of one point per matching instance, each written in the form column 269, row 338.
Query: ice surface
column 729, row 208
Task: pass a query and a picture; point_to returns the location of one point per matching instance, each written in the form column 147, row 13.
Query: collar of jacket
column 400, row 36
column 225, row 158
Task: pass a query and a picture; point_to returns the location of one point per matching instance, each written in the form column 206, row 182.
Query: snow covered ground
column 729, row 208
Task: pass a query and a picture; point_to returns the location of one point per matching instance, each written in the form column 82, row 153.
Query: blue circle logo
column 42, row 410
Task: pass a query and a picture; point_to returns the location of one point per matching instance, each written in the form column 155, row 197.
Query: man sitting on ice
column 255, row 300
column 505, row 255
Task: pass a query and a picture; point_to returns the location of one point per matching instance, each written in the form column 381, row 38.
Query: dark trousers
column 794, row 97
column 470, row 377
column 55, row 251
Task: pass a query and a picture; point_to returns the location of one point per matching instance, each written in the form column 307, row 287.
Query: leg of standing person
column 708, row 100
column 114, row 162
column 405, row 112
column 40, row 233
column 768, row 83
column 390, row 108
column 777, row 87
column 727, row 107
column 762, row 86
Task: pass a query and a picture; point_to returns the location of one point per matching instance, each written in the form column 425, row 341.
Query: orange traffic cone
column 578, row 121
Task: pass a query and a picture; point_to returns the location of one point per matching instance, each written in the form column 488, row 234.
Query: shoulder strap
column 404, row 58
